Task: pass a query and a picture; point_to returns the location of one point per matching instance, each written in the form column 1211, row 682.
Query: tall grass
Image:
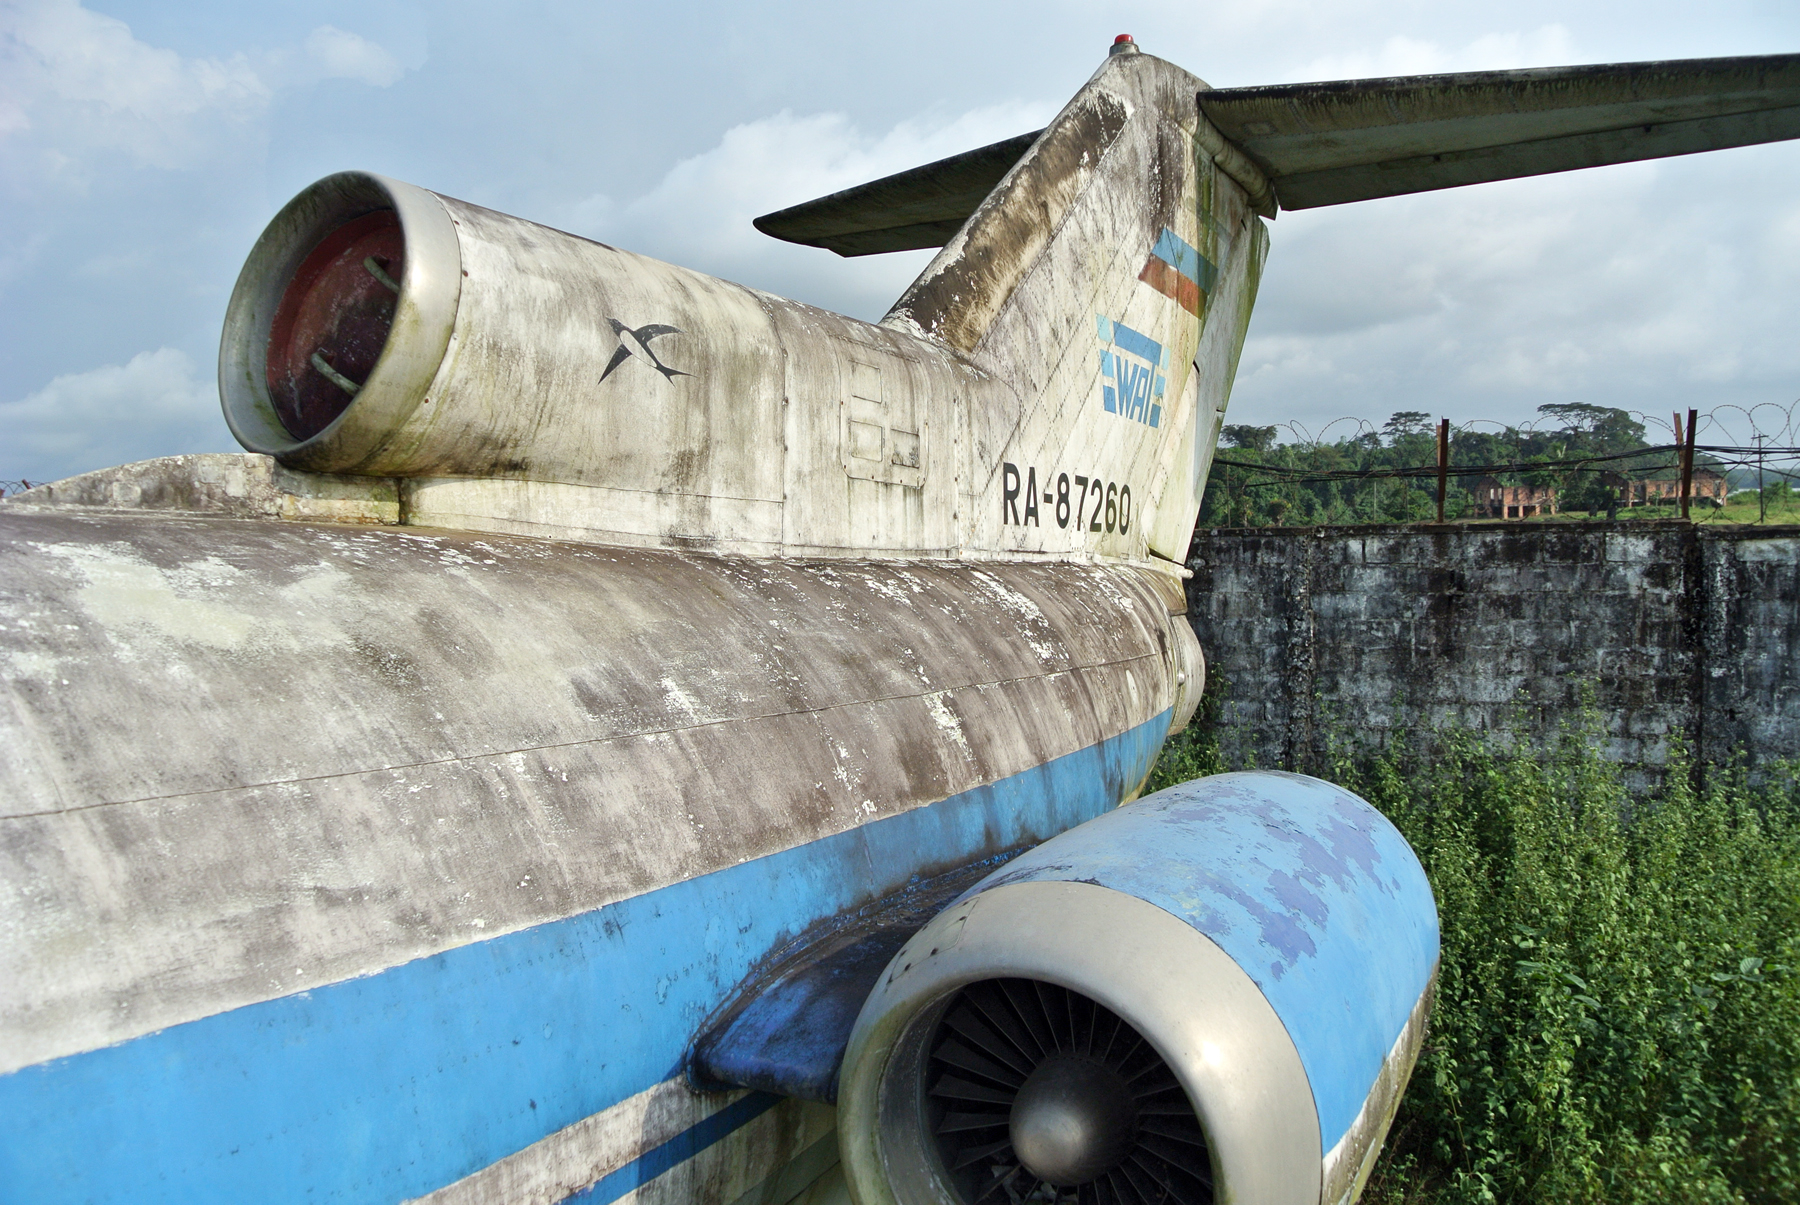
column 1618, row 1011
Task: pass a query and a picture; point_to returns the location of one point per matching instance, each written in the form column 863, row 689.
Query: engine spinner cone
column 1073, row 1120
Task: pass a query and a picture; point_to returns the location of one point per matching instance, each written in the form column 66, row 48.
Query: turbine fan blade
column 987, row 1030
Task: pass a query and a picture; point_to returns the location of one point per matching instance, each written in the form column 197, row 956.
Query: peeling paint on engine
column 1309, row 889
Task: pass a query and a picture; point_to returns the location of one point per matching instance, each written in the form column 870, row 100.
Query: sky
column 143, row 146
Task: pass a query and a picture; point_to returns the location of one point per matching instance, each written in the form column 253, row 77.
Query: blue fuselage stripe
column 684, row 1146
column 391, row 1085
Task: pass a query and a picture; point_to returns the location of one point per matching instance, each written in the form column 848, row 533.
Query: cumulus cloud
column 1627, row 286
column 699, row 214
column 1643, row 286
column 76, row 85
column 89, row 420
column 342, row 55
column 79, row 80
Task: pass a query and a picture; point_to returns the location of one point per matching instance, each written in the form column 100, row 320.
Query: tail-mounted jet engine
column 1214, row 994
column 308, row 331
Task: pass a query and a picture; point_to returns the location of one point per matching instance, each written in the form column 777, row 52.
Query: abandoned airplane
column 619, row 735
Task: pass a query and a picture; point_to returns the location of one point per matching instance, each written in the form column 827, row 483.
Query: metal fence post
column 1443, row 464
column 1687, row 462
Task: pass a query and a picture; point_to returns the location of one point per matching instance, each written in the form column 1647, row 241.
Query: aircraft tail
column 1107, row 280
column 1102, row 270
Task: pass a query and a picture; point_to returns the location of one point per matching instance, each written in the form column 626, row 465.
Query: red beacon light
column 1123, row 45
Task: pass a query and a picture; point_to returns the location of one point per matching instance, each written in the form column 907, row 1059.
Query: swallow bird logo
column 637, row 343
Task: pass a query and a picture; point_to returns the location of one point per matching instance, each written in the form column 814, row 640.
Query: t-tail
column 370, row 864
column 1103, row 269
column 1102, row 289
column 1108, row 280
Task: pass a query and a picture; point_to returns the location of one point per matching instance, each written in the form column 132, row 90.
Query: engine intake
column 1215, row 993
column 1032, row 1086
column 339, row 321
column 333, row 321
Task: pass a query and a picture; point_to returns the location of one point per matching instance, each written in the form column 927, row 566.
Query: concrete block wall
column 1682, row 632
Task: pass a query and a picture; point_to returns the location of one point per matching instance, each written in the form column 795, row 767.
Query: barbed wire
column 1726, row 456
column 1727, row 423
column 1736, row 448
column 1766, row 434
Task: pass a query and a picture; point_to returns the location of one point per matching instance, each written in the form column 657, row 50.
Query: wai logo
column 1134, row 368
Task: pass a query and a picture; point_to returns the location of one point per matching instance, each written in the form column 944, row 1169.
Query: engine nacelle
column 1215, row 993
column 517, row 378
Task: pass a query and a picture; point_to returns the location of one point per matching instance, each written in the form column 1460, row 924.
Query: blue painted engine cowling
column 1271, row 936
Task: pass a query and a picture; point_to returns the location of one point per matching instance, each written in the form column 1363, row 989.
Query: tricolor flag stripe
column 1185, row 260
column 1177, row 270
column 1170, row 283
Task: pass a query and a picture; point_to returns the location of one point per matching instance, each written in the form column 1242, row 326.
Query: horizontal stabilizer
column 1352, row 140
column 907, row 211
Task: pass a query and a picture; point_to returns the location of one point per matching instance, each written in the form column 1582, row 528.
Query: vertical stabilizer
column 1104, row 287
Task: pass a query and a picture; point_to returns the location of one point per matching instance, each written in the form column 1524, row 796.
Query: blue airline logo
column 1135, row 369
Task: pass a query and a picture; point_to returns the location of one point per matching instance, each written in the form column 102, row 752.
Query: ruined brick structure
column 1496, row 500
column 1708, row 486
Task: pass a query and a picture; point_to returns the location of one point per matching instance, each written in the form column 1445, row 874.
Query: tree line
column 1238, row 496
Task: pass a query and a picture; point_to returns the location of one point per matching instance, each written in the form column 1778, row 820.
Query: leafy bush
column 1618, row 1011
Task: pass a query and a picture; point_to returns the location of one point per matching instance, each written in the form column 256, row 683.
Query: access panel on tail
column 619, row 735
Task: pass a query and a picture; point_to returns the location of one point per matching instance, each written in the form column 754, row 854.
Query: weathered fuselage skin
column 258, row 770
column 386, row 818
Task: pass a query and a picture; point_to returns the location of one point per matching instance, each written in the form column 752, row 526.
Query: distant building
column 1494, row 499
column 1666, row 491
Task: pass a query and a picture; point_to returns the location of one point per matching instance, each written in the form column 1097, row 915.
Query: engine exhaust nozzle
column 339, row 321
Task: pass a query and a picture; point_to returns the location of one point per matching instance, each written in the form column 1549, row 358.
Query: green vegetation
column 1243, row 497
column 1777, row 502
column 1194, row 751
column 1618, row 1012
